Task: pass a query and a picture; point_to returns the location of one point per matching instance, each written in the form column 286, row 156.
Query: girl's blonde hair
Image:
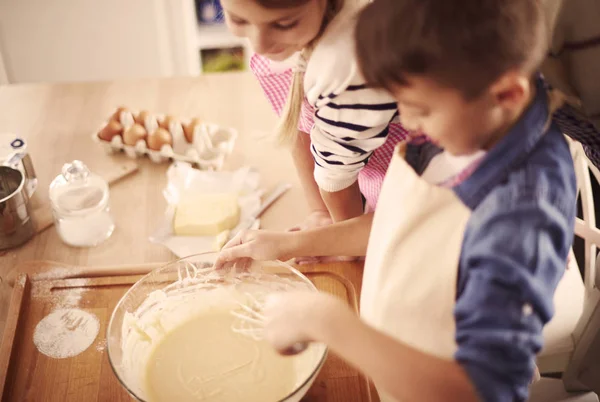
column 287, row 128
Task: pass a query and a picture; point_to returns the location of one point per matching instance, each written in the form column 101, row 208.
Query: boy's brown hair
column 462, row 44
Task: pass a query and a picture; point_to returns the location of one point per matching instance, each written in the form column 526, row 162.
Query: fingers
column 234, row 250
column 242, row 265
column 295, row 349
column 283, row 330
column 307, row 260
column 220, row 261
column 255, row 245
column 284, row 343
column 237, row 239
column 314, row 219
column 226, row 255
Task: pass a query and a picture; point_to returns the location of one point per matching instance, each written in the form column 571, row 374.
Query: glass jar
column 80, row 205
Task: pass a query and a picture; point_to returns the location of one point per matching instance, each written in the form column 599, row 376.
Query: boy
column 460, row 274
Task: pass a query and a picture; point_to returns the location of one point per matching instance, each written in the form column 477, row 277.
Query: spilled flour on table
column 101, row 346
column 56, row 273
column 63, row 297
column 68, row 299
column 66, row 333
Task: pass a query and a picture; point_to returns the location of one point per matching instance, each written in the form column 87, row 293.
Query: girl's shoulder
column 333, row 65
column 338, row 36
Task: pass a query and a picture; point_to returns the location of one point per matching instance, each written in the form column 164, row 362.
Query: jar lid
column 75, row 172
column 77, row 189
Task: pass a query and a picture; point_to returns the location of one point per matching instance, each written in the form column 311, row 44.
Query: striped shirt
column 349, row 123
column 351, row 119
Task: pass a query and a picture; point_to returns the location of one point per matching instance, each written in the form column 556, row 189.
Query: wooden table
column 57, row 120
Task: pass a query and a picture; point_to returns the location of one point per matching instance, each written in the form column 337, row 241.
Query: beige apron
column 409, row 284
column 411, row 269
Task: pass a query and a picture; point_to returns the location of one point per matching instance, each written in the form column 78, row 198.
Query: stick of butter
column 206, row 214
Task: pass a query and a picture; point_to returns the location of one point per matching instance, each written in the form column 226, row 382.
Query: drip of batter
column 204, row 360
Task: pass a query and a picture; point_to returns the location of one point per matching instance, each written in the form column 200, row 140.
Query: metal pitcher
column 13, row 153
column 16, row 225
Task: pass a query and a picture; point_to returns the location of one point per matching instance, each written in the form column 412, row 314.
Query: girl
column 305, row 48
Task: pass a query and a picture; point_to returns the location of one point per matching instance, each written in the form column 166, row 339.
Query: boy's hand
column 259, row 245
column 296, row 318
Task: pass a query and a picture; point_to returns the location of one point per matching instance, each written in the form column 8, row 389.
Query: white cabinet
column 83, row 40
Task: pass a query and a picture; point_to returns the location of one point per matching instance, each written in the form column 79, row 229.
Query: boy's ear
column 511, row 90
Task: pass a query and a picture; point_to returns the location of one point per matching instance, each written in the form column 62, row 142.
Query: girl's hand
column 257, row 245
column 296, row 318
column 315, row 219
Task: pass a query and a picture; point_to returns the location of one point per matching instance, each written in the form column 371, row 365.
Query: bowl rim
column 295, row 271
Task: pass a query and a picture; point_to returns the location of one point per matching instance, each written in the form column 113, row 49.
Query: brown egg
column 140, row 118
column 117, row 115
column 157, row 139
column 135, row 133
column 166, row 121
column 188, row 130
column 112, row 129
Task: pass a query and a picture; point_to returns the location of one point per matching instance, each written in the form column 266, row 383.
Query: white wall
column 82, row 40
column 182, row 27
column 3, row 76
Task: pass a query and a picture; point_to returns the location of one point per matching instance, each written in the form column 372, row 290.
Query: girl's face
column 275, row 33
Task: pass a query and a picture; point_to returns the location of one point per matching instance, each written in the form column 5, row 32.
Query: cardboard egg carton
column 201, row 144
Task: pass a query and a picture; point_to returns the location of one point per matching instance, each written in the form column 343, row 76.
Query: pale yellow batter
column 204, row 360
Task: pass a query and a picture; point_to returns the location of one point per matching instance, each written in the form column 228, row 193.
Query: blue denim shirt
column 522, row 199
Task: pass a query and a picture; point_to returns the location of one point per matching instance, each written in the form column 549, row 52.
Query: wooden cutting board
column 26, row 374
column 41, row 210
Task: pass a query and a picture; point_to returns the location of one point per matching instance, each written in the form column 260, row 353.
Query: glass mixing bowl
column 192, row 277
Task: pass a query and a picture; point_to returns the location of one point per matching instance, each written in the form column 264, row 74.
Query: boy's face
column 458, row 125
column 276, row 33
